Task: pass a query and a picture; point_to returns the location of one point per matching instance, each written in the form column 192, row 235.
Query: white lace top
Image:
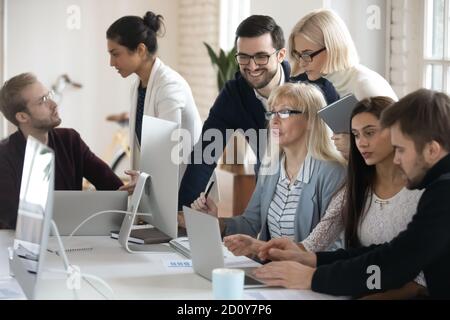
column 384, row 220
column 329, row 228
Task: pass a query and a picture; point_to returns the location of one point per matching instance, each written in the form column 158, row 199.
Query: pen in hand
column 208, row 189
column 203, row 204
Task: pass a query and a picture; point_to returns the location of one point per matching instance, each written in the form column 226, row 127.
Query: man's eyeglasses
column 307, row 57
column 49, row 96
column 282, row 114
column 259, row 58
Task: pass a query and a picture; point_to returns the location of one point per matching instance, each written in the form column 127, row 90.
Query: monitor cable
column 73, row 272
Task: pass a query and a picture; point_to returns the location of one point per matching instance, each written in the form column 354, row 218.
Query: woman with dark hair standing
column 159, row 91
column 375, row 205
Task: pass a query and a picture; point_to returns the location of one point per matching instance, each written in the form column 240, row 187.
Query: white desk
column 131, row 276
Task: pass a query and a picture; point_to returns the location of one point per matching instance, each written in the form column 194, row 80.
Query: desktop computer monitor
column 34, row 215
column 158, row 197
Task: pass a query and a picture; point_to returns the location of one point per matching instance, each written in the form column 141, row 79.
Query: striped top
column 282, row 210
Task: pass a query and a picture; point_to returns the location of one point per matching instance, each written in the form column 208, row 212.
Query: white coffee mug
column 228, row 284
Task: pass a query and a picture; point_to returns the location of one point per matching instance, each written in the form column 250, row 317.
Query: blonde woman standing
column 291, row 201
column 320, row 45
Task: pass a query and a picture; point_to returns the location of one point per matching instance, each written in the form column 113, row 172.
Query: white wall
column 285, row 12
column 370, row 44
column 39, row 41
column 198, row 22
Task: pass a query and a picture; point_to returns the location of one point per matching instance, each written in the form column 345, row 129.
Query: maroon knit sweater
column 73, row 161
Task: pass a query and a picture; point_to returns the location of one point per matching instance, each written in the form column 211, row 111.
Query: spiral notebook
column 71, row 250
column 71, row 245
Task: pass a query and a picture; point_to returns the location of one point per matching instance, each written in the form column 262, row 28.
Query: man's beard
column 46, row 125
column 269, row 75
column 421, row 170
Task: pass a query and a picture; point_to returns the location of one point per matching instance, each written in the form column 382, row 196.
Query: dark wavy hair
column 360, row 176
column 258, row 25
column 130, row 31
column 423, row 115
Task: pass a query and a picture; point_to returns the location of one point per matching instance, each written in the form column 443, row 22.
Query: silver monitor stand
column 128, row 223
column 19, row 268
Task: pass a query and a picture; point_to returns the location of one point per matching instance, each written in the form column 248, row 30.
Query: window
column 437, row 45
column 232, row 12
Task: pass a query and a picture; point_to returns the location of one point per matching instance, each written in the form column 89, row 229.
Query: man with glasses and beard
column 242, row 102
column 27, row 104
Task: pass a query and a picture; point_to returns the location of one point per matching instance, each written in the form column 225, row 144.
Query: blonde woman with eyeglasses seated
column 290, row 201
column 320, row 45
column 374, row 207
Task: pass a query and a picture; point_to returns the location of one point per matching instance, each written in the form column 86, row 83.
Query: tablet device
column 337, row 114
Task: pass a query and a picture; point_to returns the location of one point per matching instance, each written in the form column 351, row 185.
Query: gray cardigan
column 326, row 179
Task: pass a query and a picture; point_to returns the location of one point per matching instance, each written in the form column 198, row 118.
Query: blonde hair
column 326, row 29
column 309, row 99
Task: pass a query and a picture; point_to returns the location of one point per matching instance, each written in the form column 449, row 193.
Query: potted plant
column 224, row 62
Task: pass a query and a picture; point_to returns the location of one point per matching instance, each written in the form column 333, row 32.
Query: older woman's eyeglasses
column 282, row 114
column 306, row 57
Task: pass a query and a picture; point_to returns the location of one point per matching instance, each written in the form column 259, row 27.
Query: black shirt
column 140, row 112
column 423, row 246
column 326, row 86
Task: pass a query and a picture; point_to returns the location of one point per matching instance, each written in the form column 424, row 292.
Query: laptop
column 72, row 207
column 205, row 246
column 337, row 114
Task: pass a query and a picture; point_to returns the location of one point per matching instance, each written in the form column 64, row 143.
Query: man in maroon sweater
column 26, row 103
